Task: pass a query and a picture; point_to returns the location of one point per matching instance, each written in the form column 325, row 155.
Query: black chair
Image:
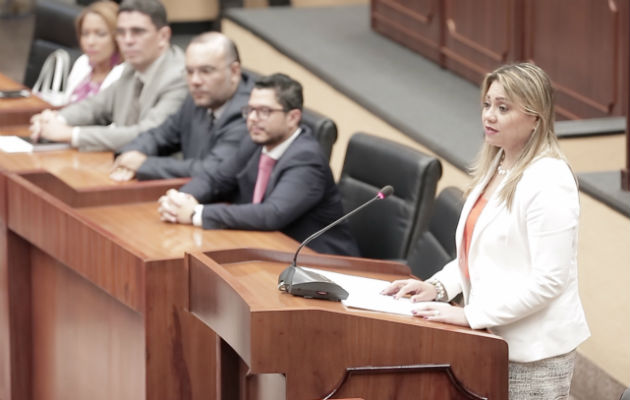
column 385, row 229
column 54, row 29
column 323, row 128
column 436, row 246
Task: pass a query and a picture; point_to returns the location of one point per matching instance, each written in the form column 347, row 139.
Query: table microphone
column 300, row 282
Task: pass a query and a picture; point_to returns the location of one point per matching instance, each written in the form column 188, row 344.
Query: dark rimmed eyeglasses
column 261, row 112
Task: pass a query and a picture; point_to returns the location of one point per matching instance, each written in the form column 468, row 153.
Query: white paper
column 364, row 293
column 13, row 144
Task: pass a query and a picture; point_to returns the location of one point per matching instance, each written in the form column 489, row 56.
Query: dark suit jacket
column 300, row 199
column 188, row 130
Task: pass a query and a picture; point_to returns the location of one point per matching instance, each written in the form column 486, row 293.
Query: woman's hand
column 419, row 290
column 441, row 312
column 423, row 293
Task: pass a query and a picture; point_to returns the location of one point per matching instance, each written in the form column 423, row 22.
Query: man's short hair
column 231, row 51
column 152, row 8
column 288, row 91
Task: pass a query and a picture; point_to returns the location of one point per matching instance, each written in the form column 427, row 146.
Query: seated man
column 149, row 89
column 279, row 178
column 208, row 126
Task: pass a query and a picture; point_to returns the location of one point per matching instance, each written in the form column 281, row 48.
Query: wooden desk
column 93, row 287
column 313, row 343
column 18, row 111
column 107, row 305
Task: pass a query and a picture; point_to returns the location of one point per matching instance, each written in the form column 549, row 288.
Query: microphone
column 301, row 282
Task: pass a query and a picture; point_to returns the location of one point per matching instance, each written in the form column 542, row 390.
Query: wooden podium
column 275, row 345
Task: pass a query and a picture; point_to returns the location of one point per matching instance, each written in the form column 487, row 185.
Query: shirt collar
column 218, row 111
column 279, row 150
column 148, row 74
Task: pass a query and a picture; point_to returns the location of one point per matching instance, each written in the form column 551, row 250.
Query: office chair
column 436, row 246
column 385, row 229
column 54, row 29
column 323, row 128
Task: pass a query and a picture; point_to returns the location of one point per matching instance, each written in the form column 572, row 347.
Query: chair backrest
column 385, row 230
column 436, row 246
column 323, row 128
column 54, row 29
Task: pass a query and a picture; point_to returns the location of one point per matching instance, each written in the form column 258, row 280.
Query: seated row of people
column 240, row 140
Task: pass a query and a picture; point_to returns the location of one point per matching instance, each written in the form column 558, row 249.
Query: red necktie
column 265, row 165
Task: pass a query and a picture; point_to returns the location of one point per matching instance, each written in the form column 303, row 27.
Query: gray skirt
column 548, row 379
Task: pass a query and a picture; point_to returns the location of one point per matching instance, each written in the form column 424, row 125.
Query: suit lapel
column 282, row 163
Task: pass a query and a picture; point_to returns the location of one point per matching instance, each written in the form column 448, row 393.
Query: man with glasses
column 149, row 90
column 208, row 126
column 279, row 178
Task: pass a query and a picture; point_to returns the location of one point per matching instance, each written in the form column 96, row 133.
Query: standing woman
column 516, row 263
column 100, row 65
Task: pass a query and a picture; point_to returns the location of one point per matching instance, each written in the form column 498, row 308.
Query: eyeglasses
column 261, row 112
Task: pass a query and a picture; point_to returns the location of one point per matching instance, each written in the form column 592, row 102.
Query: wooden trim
column 407, row 369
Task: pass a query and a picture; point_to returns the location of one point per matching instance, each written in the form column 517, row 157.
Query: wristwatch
column 440, row 290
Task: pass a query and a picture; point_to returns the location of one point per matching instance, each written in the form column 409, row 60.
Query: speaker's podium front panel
column 275, row 345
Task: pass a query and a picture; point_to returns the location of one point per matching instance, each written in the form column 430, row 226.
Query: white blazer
column 81, row 69
column 523, row 265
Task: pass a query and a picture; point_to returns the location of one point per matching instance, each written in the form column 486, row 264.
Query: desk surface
column 143, row 232
column 18, row 111
column 77, row 169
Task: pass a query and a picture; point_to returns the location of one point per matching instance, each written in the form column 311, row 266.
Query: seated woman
column 100, row 64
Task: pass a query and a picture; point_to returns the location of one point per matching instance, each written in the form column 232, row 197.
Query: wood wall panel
column 413, row 23
column 577, row 43
column 581, row 44
column 478, row 36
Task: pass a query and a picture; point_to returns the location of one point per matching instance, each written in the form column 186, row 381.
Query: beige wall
column 604, row 254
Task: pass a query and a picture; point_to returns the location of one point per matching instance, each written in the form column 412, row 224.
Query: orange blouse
column 471, row 221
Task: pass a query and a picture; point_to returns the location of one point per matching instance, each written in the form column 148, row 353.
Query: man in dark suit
column 279, row 178
column 208, row 126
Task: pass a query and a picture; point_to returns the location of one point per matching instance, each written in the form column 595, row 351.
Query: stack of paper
column 364, row 293
column 13, row 144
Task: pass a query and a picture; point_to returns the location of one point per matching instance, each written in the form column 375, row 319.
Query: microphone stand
column 300, row 282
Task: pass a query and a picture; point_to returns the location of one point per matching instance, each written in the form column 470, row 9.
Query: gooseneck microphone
column 300, row 282
column 383, row 193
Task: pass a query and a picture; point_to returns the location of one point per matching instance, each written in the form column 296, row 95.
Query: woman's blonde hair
column 108, row 10
column 528, row 87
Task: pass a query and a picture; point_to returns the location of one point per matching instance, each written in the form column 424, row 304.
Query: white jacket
column 523, row 265
column 81, row 69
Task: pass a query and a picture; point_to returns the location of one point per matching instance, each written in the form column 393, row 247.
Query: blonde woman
column 100, row 65
column 516, row 263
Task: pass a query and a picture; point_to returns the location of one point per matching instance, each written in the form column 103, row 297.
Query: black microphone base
column 304, row 283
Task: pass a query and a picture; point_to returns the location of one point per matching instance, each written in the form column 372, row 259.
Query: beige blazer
column 102, row 117
column 523, row 265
